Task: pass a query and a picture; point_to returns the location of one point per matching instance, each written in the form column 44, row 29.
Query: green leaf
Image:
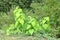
column 46, row 18
column 17, row 15
column 31, row 31
column 21, row 21
column 16, row 10
column 28, row 26
column 34, row 22
column 45, row 26
column 8, row 32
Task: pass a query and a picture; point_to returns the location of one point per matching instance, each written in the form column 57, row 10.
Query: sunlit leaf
column 21, row 21
column 31, row 31
column 28, row 26
column 46, row 18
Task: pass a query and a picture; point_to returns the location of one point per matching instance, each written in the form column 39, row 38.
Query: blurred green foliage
column 34, row 8
column 27, row 25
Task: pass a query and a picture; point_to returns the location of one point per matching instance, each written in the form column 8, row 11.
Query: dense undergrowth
column 28, row 25
column 38, row 17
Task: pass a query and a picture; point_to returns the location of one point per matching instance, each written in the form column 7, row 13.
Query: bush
column 27, row 25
